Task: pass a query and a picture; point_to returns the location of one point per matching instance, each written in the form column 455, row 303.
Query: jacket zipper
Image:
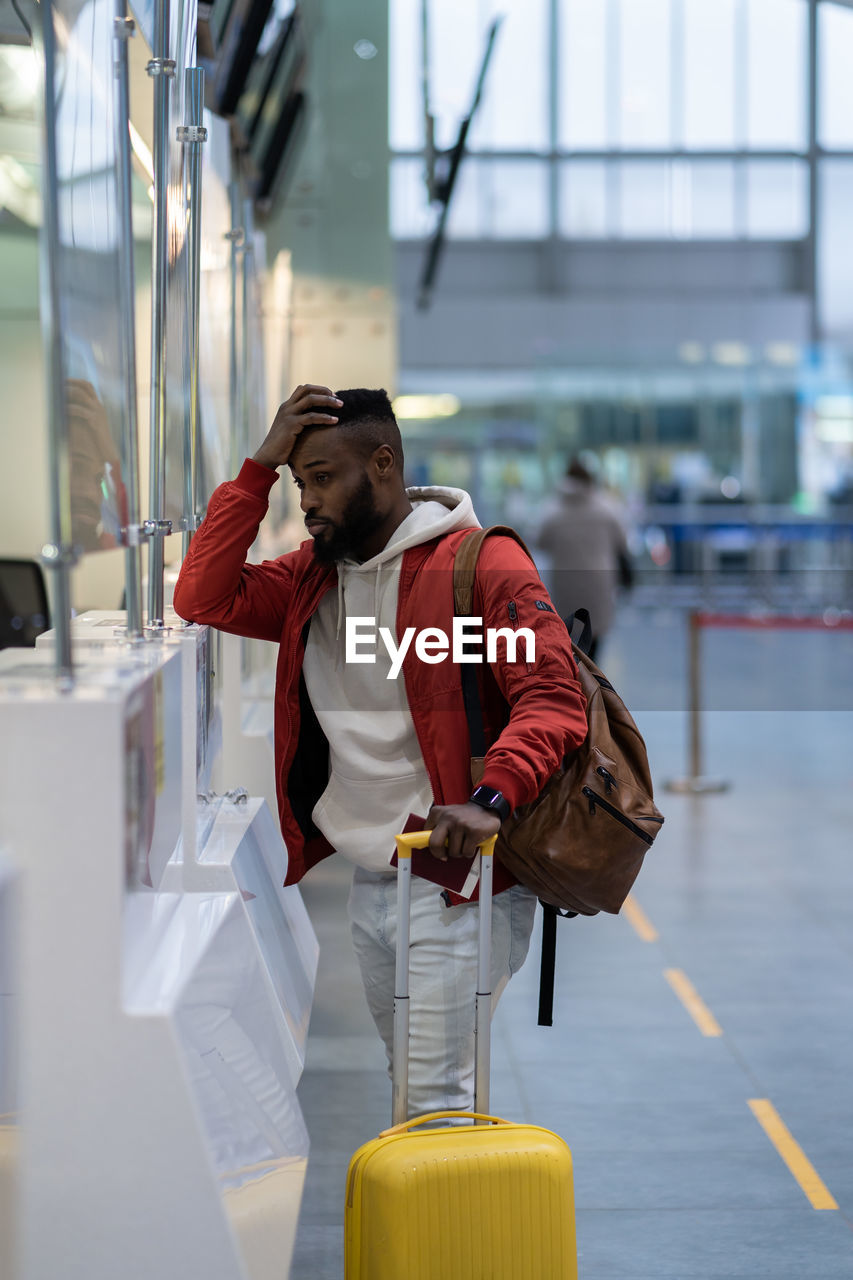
column 512, row 610
column 595, row 799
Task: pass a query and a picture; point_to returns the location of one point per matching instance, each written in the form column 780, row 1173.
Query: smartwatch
column 494, row 801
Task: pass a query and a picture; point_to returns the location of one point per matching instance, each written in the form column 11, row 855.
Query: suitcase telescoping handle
column 483, row 1001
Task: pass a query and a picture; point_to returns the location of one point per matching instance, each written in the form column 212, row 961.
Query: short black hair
column 367, row 419
column 577, row 471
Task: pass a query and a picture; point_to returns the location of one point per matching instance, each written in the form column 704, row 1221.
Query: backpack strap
column 464, row 576
column 585, row 641
column 465, row 565
column 548, row 961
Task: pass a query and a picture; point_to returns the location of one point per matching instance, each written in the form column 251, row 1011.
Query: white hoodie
column 377, row 775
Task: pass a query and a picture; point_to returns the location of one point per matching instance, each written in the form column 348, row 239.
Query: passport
column 459, row 875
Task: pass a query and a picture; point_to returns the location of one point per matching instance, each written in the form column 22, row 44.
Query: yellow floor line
column 792, row 1153
column 693, row 1003
column 638, row 918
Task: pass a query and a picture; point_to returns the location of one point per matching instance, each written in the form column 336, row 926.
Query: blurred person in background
column 586, row 540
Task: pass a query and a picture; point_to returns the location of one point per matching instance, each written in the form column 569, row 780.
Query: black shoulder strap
column 582, row 616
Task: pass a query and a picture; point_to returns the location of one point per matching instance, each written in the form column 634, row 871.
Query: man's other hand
column 302, row 410
column 458, row 829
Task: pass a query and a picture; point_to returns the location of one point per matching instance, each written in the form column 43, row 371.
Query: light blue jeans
column 442, row 977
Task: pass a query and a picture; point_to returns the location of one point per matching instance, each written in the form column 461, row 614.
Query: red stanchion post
column 695, row 783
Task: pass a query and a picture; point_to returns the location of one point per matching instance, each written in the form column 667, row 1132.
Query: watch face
column 495, row 801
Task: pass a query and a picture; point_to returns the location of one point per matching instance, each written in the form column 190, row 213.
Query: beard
column 360, row 519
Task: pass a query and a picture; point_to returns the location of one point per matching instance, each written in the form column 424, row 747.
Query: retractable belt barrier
column 696, row 782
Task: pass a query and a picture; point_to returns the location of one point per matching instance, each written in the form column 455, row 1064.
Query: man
column 589, row 552
column 364, row 746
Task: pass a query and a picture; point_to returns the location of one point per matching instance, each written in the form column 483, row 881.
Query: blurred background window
column 579, row 83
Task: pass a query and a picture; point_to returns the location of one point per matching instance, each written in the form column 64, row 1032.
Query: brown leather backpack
column 580, row 844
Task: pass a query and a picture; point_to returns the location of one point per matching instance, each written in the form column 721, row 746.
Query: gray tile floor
column 750, row 892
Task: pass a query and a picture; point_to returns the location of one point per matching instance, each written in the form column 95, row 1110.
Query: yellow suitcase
column 479, row 1201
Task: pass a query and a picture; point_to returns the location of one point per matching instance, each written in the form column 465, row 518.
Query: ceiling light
column 834, row 406
column 834, row 430
column 439, row 406
column 691, row 353
column 731, row 353
column 784, row 353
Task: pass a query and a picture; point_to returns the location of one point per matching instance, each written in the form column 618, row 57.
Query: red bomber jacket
column 534, row 713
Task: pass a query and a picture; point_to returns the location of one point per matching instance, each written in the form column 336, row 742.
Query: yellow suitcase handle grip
column 440, row 1115
column 420, row 839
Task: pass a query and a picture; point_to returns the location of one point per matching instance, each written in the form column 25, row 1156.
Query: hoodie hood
column 436, row 510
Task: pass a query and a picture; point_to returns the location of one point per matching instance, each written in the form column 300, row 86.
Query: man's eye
column 321, row 477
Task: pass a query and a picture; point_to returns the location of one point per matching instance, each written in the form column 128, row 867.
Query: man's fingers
column 318, row 401
column 311, row 393
column 438, row 838
column 314, row 420
column 457, row 841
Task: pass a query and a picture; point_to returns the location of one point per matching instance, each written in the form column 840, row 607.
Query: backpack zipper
column 595, row 799
column 609, row 781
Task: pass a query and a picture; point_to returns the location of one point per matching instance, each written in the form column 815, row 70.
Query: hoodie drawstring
column 340, row 615
column 342, row 606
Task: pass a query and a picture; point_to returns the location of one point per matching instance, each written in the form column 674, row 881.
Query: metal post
column 192, row 134
column 811, row 245
column 237, row 237
column 124, row 30
column 400, row 1047
column 162, row 69
column 695, row 783
column 483, row 998
column 246, row 337
column 59, row 554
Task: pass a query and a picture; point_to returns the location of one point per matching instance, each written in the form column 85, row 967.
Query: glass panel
column 777, row 35
column 182, row 49
column 712, row 199
column 455, row 47
column 835, row 263
column 466, row 219
column 777, row 199
column 582, row 88
column 405, row 99
column 835, row 81
column 583, row 198
column 645, row 73
column 516, row 195
column 215, row 327
column 644, row 207
column 513, row 113
column 88, row 268
column 411, row 215
column 709, row 73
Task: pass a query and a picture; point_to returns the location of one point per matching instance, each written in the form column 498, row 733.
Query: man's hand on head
column 458, row 829
column 309, row 406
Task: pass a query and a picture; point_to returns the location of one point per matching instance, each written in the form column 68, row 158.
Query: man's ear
column 384, row 461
